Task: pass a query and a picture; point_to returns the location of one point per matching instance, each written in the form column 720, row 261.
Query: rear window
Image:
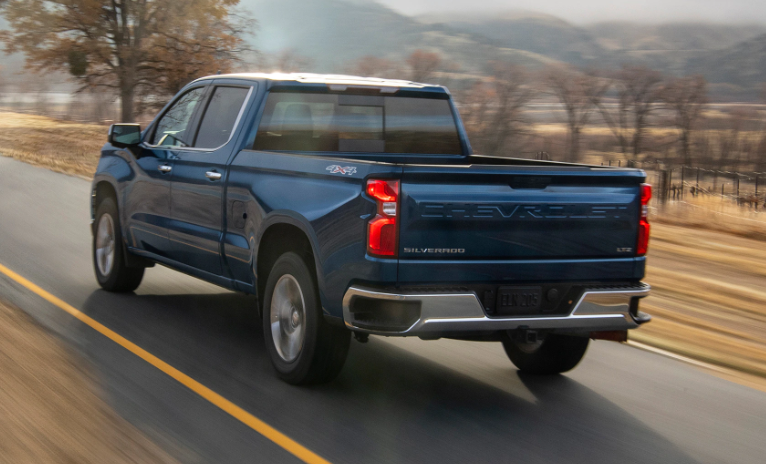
column 357, row 123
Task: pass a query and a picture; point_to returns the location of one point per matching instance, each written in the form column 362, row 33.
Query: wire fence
column 746, row 189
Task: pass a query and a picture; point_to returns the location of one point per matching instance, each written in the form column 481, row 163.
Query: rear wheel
column 304, row 349
column 549, row 354
column 109, row 254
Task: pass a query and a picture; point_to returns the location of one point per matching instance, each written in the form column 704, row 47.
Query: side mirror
column 124, row 135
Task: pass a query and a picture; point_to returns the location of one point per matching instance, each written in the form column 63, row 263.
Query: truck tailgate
column 518, row 212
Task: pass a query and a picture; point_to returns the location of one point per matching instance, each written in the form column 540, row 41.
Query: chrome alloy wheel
column 105, row 245
column 288, row 318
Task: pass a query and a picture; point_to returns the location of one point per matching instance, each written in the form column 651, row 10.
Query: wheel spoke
column 288, row 318
column 105, row 244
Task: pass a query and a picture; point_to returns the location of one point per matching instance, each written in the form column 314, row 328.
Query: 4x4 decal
column 346, row 170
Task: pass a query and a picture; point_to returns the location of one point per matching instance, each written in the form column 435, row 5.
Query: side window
column 173, row 128
column 220, row 116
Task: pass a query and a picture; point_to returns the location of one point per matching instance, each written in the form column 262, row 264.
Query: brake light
column 643, row 223
column 382, row 230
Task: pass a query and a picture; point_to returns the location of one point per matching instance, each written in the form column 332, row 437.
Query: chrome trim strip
column 597, row 309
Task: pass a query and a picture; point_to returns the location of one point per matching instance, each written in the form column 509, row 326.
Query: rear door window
column 357, row 123
column 220, row 116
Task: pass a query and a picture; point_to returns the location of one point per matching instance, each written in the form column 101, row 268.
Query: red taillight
column 382, row 230
column 643, row 223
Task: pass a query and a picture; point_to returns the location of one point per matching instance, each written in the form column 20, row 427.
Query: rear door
column 199, row 176
column 518, row 213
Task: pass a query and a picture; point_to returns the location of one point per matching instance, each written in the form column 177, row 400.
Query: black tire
column 554, row 355
column 117, row 277
column 323, row 348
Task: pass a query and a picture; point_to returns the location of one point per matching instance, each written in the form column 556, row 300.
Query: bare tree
column 493, row 110
column 371, row 65
column 3, row 87
column 760, row 163
column 761, row 147
column 730, row 141
column 637, row 94
column 423, row 64
column 40, row 86
column 580, row 93
column 128, row 46
column 686, row 97
column 287, row 61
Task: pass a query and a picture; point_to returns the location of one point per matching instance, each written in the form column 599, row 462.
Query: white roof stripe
column 329, row 79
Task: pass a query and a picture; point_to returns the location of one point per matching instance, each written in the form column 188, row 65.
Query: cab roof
column 333, row 81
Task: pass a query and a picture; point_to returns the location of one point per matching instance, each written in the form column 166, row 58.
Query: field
column 707, row 259
column 708, row 298
column 62, row 146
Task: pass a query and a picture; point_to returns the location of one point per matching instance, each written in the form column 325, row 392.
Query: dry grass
column 61, row 146
column 713, row 213
column 49, row 407
column 708, row 298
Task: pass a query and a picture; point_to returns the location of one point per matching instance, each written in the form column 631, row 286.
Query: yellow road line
column 235, row 411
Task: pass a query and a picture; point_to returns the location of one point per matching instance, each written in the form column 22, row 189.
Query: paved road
column 397, row 400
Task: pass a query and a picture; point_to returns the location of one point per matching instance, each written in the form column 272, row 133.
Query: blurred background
column 675, row 87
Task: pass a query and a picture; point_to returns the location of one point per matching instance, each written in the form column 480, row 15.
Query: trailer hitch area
column 526, row 336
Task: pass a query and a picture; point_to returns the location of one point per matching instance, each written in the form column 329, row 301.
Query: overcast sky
column 585, row 11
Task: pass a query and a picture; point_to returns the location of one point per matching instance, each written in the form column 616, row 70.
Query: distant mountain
column 533, row 32
column 738, row 70
column 335, row 32
column 620, row 35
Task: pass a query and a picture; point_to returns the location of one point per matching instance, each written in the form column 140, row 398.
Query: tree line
column 144, row 51
column 648, row 116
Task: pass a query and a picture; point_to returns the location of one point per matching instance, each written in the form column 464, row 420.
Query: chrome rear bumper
column 598, row 309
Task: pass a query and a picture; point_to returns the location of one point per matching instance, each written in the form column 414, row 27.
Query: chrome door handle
column 164, row 168
column 212, row 175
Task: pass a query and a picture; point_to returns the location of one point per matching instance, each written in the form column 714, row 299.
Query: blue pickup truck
column 355, row 206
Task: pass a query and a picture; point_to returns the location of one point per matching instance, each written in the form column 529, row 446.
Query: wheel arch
column 105, row 187
column 280, row 233
column 102, row 188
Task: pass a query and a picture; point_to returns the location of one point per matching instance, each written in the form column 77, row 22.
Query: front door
column 147, row 200
column 199, row 177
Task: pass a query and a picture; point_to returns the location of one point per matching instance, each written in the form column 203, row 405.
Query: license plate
column 515, row 300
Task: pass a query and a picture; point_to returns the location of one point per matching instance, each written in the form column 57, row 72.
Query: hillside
column 738, row 70
column 541, row 34
column 619, row 35
column 333, row 33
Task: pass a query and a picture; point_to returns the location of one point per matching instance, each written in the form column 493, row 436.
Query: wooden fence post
column 681, row 195
column 697, row 189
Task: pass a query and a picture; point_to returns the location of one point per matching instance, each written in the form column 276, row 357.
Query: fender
column 294, row 219
column 114, row 169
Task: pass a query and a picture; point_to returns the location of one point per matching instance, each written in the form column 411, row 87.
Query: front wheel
column 551, row 354
column 304, row 349
column 108, row 254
